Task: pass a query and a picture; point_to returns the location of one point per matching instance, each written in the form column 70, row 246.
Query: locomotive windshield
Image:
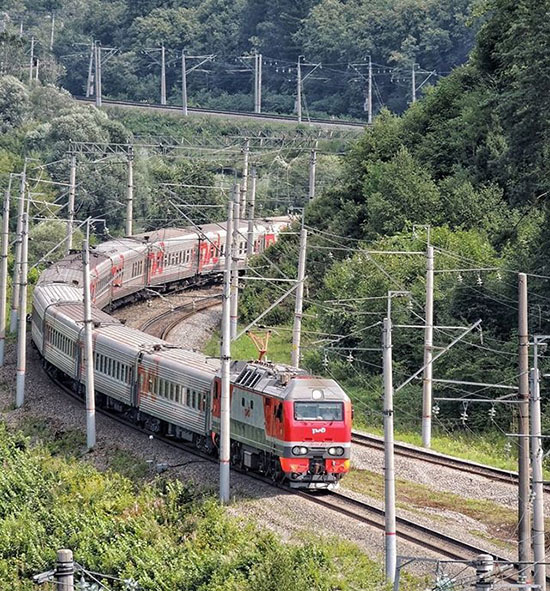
column 318, row 411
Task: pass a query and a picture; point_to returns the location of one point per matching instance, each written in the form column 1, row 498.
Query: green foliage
column 165, row 536
column 14, row 99
column 396, row 33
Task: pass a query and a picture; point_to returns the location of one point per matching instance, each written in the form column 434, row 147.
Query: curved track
column 160, row 326
column 273, row 117
column 432, row 457
column 361, row 511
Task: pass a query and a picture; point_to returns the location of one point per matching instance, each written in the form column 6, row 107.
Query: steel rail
column 439, row 459
column 160, row 326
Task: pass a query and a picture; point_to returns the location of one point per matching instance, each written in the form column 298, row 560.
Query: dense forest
column 432, row 35
column 470, row 160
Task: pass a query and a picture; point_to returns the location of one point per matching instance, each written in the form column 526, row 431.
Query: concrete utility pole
column 130, row 194
column 4, row 268
column 369, row 94
column 523, row 439
column 299, row 304
column 244, row 184
column 225, row 407
column 97, row 82
column 89, row 82
column 428, row 351
column 235, row 267
column 88, row 344
column 31, row 63
column 22, row 332
column 413, row 77
column 17, row 261
column 312, row 172
column 184, row 83
column 251, row 208
column 64, row 571
column 389, row 469
column 52, row 30
column 299, row 89
column 257, row 83
column 162, row 75
column 70, row 207
column 537, row 454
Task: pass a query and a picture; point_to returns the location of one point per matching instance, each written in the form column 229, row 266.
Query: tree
column 14, row 103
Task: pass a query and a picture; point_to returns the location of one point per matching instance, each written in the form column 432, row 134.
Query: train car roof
column 165, row 234
column 75, row 312
column 192, row 360
column 115, row 246
column 129, row 340
column 50, row 293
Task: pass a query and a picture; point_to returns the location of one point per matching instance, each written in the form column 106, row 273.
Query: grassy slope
column 164, row 534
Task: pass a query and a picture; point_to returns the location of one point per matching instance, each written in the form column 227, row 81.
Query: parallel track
column 160, row 326
column 360, row 511
column 432, row 457
column 237, row 114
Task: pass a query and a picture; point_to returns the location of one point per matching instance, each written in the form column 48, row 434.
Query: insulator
column 460, row 279
column 464, row 413
column 479, row 281
column 349, row 358
column 325, row 361
column 492, row 413
column 499, row 276
column 410, row 305
column 436, row 410
column 508, row 448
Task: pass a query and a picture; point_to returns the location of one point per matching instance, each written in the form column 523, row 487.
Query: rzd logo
column 321, row 430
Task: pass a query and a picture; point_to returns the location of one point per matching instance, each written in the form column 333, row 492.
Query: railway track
column 162, row 325
column 360, row 511
column 433, row 457
column 335, row 123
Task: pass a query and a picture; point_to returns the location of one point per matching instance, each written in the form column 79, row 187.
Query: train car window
column 252, row 405
column 188, row 398
column 194, row 399
column 278, row 411
column 242, row 401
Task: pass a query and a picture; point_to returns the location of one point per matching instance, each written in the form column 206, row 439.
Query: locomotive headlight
column 299, row 450
column 336, row 451
column 317, row 394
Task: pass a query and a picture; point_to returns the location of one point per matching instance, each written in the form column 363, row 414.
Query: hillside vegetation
column 471, row 161
column 435, row 34
column 165, row 535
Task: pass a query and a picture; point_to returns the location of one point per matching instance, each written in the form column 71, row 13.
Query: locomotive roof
column 283, row 381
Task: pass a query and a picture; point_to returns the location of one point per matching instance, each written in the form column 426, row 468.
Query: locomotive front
column 317, row 433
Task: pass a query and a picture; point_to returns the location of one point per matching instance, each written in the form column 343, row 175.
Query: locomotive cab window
column 318, row 411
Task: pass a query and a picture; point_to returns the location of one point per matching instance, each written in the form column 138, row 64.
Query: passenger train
column 285, row 423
